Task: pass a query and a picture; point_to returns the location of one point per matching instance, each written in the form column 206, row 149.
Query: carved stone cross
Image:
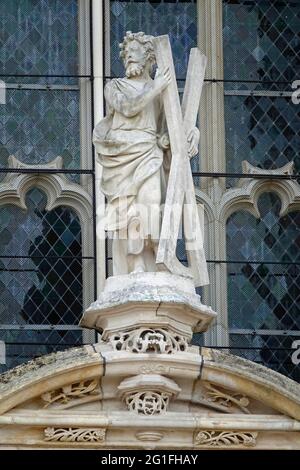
column 180, row 198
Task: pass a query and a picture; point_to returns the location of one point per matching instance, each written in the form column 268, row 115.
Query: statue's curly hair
column 143, row 39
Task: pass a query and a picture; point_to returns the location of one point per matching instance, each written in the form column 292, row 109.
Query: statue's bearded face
column 135, row 59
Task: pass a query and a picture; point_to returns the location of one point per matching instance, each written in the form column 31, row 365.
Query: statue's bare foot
column 138, row 265
column 138, row 269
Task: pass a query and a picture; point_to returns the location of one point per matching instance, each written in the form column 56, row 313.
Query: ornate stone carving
column 154, row 369
column 60, row 191
column 58, row 188
column 147, row 403
column 148, row 394
column 225, row 439
column 56, row 164
column 73, row 394
column 75, row 434
column 247, row 192
column 146, row 340
column 230, row 401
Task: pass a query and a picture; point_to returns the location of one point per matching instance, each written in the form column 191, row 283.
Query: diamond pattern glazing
column 261, row 39
column 263, row 286
column 36, row 126
column 261, row 42
column 45, row 287
column 176, row 18
column 263, row 130
column 39, row 37
column 22, row 346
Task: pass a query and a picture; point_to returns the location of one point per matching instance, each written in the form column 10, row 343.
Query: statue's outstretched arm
column 130, row 105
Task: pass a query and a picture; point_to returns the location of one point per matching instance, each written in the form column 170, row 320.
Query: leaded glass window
column 261, row 39
column 39, row 37
column 22, row 345
column 40, row 275
column 261, row 43
column 176, row 18
column 264, row 130
column 40, row 120
column 263, row 284
column 37, row 125
column 41, row 265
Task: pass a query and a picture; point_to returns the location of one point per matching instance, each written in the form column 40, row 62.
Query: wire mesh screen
column 41, row 276
column 24, row 345
column 261, row 40
column 40, row 38
column 41, row 266
column 38, row 125
column 263, row 289
column 261, row 60
column 176, row 18
column 268, row 349
column 264, row 130
column 43, row 272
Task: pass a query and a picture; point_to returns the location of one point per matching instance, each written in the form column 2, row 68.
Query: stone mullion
column 213, row 159
column 98, row 86
column 86, row 152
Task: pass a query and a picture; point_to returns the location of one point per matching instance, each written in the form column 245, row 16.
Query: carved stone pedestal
column 153, row 308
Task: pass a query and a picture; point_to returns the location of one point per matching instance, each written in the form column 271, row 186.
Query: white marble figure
column 134, row 150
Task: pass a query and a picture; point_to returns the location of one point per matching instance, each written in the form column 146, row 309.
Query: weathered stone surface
column 178, row 395
column 251, row 369
column 35, row 377
column 182, row 397
column 43, row 364
column 157, row 299
column 143, row 145
column 262, row 383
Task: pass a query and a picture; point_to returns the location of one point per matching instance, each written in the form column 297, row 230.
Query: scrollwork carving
column 146, row 340
column 225, row 439
column 75, row 434
column 147, row 402
column 227, row 400
column 73, row 394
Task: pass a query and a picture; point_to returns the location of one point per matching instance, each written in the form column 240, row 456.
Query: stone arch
column 60, row 191
column 56, row 398
column 58, row 188
column 246, row 196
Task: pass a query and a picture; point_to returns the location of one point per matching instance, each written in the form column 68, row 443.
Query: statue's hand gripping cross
column 180, row 198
